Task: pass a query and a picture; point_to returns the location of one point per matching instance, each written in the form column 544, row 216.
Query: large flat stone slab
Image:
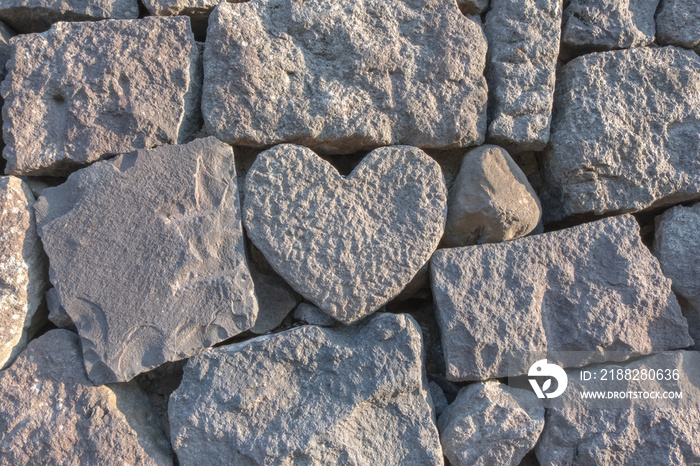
column 625, row 133
column 23, row 269
column 50, row 413
column 594, row 288
column 676, row 244
column 347, row 244
column 356, row 395
column 338, row 78
column 85, row 91
column 25, row 16
column 147, row 256
column 523, row 39
column 647, row 425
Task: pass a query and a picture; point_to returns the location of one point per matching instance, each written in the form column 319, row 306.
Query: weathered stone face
column 490, row 200
column 147, row 255
column 50, row 413
column 624, row 134
column 636, row 431
column 676, row 244
column 597, row 25
column 347, row 244
column 523, row 39
column 678, row 23
column 26, row 16
column 490, row 423
column 355, row 395
column 84, row 91
column 593, row 288
column 23, row 269
column 337, row 79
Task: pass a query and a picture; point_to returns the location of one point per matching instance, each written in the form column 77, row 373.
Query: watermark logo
column 552, row 371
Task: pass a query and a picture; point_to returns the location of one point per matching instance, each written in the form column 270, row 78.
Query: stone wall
column 316, row 232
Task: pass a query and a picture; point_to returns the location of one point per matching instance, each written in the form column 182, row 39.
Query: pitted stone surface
column 341, row 77
column 631, row 432
column 490, row 423
column 50, row 413
column 347, row 244
column 26, row 16
column 490, row 201
column 676, row 244
column 147, row 255
column 625, row 133
column 356, row 395
column 594, row 288
column 597, row 25
column 678, row 23
column 85, row 91
column 523, row 39
column 23, row 268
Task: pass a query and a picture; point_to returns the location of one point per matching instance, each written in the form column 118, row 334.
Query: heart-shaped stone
column 347, row 244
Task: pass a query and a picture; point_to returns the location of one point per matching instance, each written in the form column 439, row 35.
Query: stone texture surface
column 276, row 300
column 57, row 315
column 625, row 135
column 147, row 255
column 678, row 23
column 438, row 397
column 314, row 316
column 50, row 413
column 197, row 10
column 523, row 39
column 490, row 423
column 356, row 395
column 347, row 244
column 341, row 77
column 26, row 16
column 593, row 288
column 23, row 269
column 597, row 25
column 635, row 432
column 490, row 201
column 84, row 91
column 5, row 48
column 676, row 244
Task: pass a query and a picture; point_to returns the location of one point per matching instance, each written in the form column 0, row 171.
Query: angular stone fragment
column 626, row 133
column 490, row 423
column 314, row 316
column 57, row 315
column 473, row 7
column 197, row 10
column 597, row 25
column 347, row 244
column 341, row 77
column 5, row 48
column 147, row 255
column 84, row 91
column 50, row 413
column 355, row 395
column 23, row 269
column 438, row 397
column 676, row 244
column 26, row 16
column 490, row 201
column 678, row 23
column 634, row 431
column 593, row 288
column 523, row 39
column 275, row 301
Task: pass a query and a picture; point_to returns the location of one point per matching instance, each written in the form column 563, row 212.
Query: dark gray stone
column 523, row 39
column 89, row 90
column 678, row 23
column 339, row 78
column 314, row 316
column 625, row 135
column 594, row 288
column 276, row 300
column 347, row 244
column 147, row 255
column 356, row 395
